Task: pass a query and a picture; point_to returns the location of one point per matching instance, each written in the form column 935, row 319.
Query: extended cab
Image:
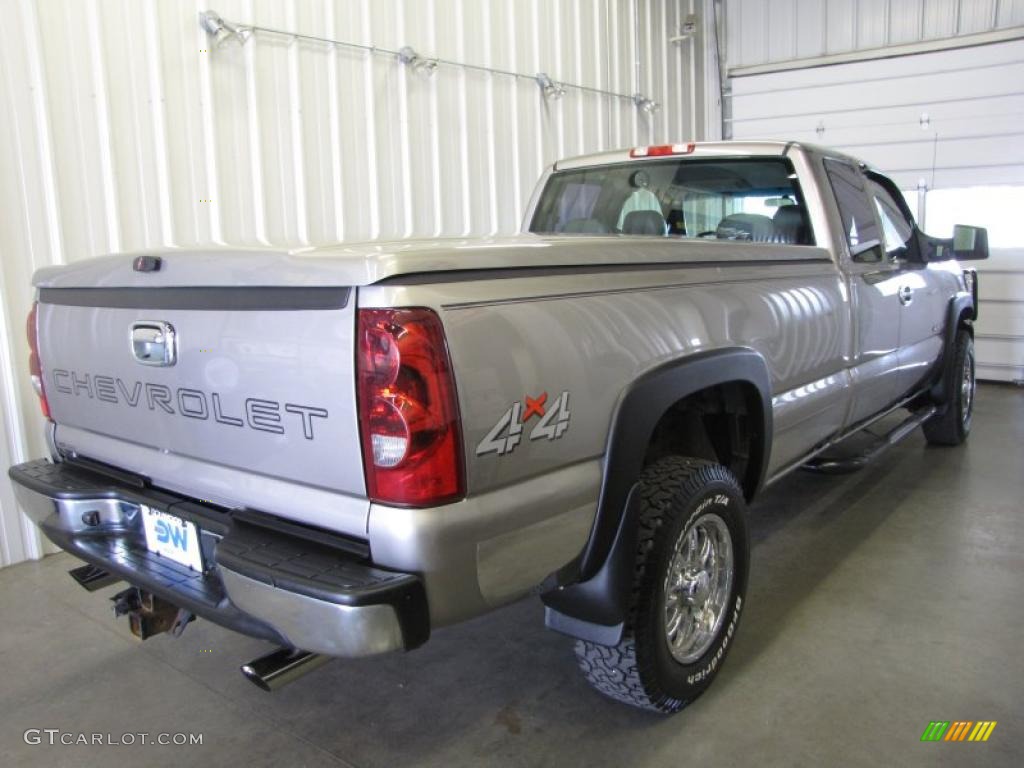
column 339, row 449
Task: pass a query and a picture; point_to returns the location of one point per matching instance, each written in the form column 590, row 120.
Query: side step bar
column 827, row 466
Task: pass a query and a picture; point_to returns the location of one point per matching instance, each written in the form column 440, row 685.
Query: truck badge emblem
column 552, row 423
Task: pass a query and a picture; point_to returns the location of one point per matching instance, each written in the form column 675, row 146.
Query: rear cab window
column 750, row 199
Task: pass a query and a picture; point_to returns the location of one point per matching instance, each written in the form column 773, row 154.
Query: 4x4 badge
column 552, row 423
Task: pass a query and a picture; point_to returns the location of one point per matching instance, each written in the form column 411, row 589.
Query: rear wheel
column 689, row 581
column 953, row 426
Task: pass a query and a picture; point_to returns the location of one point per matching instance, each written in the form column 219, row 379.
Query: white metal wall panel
column 872, row 23
column 939, row 19
column 760, row 32
column 999, row 334
column 973, row 98
column 811, row 14
column 906, row 22
column 123, row 130
column 977, row 16
column 782, row 18
column 837, row 26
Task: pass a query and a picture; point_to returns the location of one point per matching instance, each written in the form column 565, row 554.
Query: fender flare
column 593, row 605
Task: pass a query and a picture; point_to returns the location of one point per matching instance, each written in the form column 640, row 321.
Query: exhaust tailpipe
column 281, row 667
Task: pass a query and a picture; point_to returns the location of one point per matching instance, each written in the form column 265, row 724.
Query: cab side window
column 897, row 229
column 856, row 211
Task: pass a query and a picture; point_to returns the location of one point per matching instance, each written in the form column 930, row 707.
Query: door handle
column 906, row 294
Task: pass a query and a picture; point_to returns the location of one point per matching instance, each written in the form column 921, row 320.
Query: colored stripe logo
column 958, row 730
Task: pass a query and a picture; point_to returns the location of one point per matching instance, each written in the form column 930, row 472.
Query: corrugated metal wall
column 761, row 32
column 124, row 130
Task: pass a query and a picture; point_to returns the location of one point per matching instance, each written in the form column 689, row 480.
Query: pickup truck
column 338, row 449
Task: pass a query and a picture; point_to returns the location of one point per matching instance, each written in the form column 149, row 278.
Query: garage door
column 947, row 122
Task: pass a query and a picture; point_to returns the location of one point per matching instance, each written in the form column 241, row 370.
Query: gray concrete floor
column 878, row 602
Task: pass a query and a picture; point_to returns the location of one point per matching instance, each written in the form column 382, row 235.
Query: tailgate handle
column 154, row 343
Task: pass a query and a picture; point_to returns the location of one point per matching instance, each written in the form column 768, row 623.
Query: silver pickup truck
column 338, row 449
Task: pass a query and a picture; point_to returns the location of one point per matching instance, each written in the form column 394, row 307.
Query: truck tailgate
column 260, row 379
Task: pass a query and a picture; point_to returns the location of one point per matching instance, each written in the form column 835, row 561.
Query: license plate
column 173, row 538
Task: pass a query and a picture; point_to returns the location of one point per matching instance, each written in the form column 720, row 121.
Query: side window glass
column 856, row 211
column 897, row 229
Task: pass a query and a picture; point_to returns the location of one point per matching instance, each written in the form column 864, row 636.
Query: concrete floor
column 878, row 602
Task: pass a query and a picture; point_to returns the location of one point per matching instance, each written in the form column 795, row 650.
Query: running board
column 827, row 466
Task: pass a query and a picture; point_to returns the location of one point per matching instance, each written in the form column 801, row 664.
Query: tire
column 677, row 496
column 953, row 426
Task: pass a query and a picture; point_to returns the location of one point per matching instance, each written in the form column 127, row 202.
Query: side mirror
column 970, row 243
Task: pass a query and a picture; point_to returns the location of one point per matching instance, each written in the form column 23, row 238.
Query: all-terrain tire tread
column 614, row 670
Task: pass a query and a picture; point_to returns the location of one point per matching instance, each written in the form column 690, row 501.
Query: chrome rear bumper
column 296, row 587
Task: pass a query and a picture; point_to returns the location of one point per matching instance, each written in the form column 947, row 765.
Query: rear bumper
column 296, row 587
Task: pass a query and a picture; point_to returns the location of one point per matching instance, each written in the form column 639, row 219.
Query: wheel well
column 722, row 424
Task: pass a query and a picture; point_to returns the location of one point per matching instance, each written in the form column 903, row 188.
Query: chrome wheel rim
column 697, row 587
column 967, row 388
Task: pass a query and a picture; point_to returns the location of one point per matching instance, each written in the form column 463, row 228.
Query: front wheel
column 953, row 426
column 689, row 582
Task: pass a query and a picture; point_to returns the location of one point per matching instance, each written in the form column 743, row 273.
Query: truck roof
column 701, row 148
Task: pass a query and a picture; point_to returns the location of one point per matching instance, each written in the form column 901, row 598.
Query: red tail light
column 408, row 411
column 35, row 368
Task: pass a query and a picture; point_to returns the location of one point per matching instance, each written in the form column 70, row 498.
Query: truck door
column 873, row 279
column 922, row 311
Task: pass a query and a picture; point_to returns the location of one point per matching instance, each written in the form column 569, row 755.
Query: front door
column 922, row 311
column 874, row 282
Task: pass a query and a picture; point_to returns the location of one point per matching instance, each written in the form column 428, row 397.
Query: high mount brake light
column 408, row 410
column 662, row 150
column 35, row 367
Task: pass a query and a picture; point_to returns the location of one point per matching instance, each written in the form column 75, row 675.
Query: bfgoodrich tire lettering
column 675, row 495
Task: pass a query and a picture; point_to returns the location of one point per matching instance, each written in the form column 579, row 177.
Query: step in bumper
column 305, row 591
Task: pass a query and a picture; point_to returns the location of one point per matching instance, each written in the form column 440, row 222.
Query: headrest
column 789, row 224
column 746, row 226
column 644, row 223
column 676, row 222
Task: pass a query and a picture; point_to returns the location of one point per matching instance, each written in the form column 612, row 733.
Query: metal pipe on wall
column 222, row 32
